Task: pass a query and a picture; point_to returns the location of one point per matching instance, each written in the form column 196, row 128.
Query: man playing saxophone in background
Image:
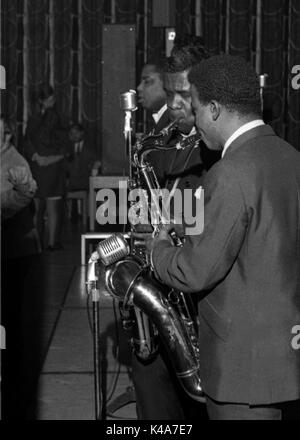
column 158, row 393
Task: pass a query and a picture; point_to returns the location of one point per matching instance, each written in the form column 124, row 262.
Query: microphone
column 113, row 249
column 128, row 101
column 128, row 104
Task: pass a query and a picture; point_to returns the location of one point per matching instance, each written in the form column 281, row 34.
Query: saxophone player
column 246, row 261
column 158, row 393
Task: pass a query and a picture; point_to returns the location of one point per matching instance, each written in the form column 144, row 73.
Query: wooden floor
column 64, row 346
column 59, row 342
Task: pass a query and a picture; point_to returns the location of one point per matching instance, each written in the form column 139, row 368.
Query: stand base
column 122, row 400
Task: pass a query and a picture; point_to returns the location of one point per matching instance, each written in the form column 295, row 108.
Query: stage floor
column 60, row 341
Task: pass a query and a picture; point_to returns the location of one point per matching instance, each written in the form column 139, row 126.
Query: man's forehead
column 177, row 81
column 194, row 93
column 149, row 70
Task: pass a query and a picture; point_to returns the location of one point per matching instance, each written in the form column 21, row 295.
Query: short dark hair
column 188, row 51
column 158, row 65
column 230, row 80
column 77, row 126
column 45, row 92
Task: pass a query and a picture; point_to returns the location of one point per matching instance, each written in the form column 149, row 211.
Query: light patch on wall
column 2, row 77
column 169, row 37
column 296, row 78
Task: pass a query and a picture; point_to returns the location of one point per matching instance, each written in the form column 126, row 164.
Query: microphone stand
column 92, row 289
column 128, row 104
column 262, row 85
column 128, row 138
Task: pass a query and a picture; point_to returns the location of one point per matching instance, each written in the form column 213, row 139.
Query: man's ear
column 215, row 110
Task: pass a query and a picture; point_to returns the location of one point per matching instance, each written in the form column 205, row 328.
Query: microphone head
column 113, row 249
column 128, row 101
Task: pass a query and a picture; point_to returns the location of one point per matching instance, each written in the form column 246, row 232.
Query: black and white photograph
column 150, row 212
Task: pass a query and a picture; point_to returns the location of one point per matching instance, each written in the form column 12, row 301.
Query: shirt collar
column 191, row 133
column 78, row 146
column 156, row 116
column 243, row 129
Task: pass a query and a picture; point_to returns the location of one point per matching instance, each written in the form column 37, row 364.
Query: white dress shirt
column 156, row 116
column 78, row 146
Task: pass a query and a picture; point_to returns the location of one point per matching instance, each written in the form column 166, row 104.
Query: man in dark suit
column 246, row 261
column 159, row 395
column 82, row 161
column 152, row 97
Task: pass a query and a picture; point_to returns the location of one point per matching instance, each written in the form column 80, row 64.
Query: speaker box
column 163, row 13
column 118, row 76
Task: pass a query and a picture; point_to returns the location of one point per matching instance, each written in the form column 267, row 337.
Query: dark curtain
column 271, row 42
column 60, row 41
column 293, row 96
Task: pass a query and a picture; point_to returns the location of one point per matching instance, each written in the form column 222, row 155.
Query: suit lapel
column 163, row 122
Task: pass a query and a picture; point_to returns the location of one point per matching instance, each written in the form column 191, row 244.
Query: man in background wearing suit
column 152, row 97
column 158, row 392
column 83, row 160
column 246, row 261
column 82, row 164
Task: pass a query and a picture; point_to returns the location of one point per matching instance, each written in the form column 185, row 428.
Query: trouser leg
column 236, row 411
column 39, row 221
column 156, row 392
column 54, row 209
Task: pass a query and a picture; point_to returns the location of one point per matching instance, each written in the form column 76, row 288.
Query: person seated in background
column 82, row 164
column 83, row 161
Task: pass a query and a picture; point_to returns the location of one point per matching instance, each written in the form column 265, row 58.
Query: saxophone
column 158, row 309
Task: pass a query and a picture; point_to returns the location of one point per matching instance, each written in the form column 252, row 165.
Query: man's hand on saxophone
column 167, row 232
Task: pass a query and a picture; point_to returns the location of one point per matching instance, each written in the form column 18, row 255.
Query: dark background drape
column 59, row 41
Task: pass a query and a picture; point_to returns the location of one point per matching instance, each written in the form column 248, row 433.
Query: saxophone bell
column 135, row 286
column 130, row 279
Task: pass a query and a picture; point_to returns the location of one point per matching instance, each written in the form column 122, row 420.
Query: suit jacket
column 157, row 158
column 46, row 136
column 247, row 265
column 80, row 166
